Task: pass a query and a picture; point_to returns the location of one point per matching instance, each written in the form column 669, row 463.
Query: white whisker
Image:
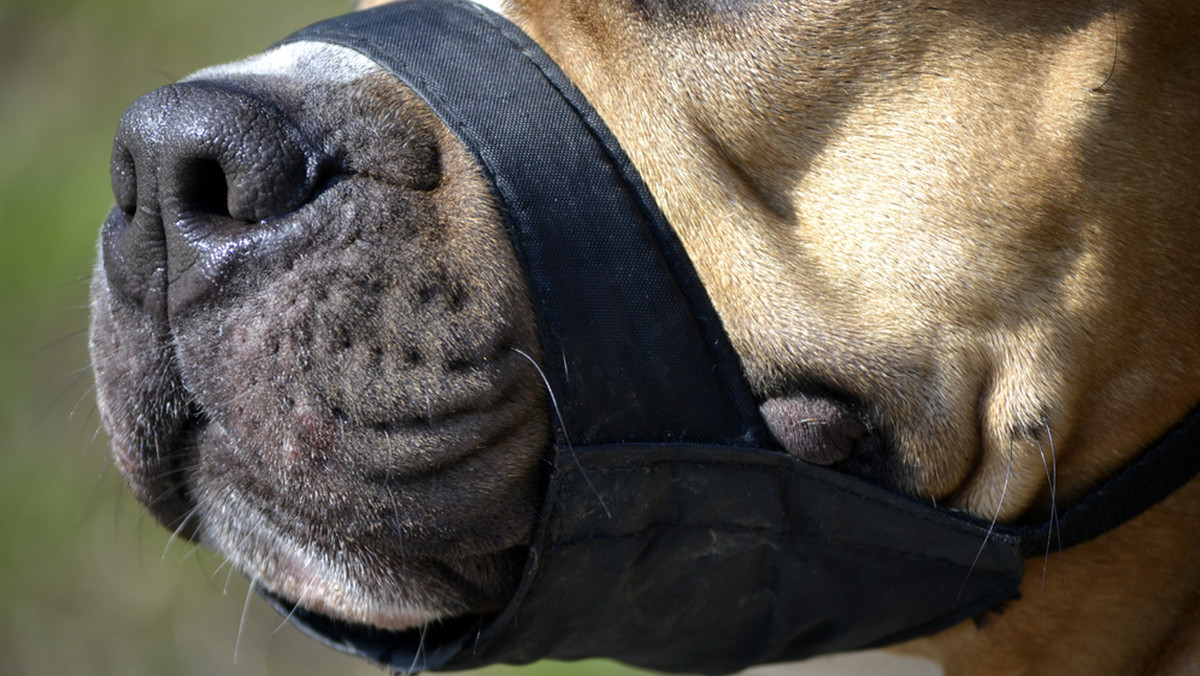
column 995, row 516
column 563, row 426
column 412, row 668
column 183, row 523
column 237, row 646
column 1055, row 532
column 312, row 584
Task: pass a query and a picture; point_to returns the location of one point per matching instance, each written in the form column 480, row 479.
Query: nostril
column 204, row 189
column 196, row 167
column 230, row 154
column 123, row 173
column 132, row 244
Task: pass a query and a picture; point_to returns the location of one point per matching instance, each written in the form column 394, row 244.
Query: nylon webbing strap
column 624, row 336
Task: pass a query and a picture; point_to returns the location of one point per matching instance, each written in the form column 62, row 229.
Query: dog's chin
column 373, row 550
column 386, row 548
column 319, row 582
column 348, row 571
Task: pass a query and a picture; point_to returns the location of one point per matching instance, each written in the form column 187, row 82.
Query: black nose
column 198, row 171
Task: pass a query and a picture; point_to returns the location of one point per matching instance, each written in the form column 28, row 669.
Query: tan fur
column 979, row 217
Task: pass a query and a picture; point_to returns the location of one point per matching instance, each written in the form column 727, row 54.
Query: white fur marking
column 496, row 6
column 306, row 62
column 309, row 62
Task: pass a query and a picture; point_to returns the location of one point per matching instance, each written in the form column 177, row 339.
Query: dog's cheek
column 392, row 136
column 132, row 364
column 387, row 339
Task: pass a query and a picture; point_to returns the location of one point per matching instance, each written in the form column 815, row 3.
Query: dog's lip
column 303, row 584
column 291, row 569
column 158, row 477
column 848, row 432
column 304, row 588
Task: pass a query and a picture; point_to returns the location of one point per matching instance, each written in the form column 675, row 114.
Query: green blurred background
column 88, row 584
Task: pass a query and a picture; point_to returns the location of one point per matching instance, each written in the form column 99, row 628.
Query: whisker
column 105, row 461
column 192, row 552
column 75, row 282
column 95, row 437
column 550, row 391
column 1053, row 522
column 59, row 341
column 412, row 668
column 72, row 383
column 82, row 398
column 563, row 426
column 1055, row 527
column 286, row 619
column 225, row 562
column 995, row 517
column 183, row 523
column 312, row 584
column 292, row 613
column 395, row 504
column 81, row 369
column 1112, row 70
column 396, row 525
column 237, row 646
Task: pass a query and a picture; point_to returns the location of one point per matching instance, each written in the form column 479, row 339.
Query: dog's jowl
column 951, row 253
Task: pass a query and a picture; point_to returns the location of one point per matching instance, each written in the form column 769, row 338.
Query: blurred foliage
column 88, row 585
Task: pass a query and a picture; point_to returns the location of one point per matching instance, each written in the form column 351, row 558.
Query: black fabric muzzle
column 676, row 535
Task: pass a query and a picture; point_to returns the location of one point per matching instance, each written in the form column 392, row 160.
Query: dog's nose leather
column 196, row 167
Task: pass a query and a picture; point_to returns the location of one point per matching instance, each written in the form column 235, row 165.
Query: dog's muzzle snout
column 198, row 170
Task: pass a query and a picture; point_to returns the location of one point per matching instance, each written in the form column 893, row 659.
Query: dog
column 957, row 239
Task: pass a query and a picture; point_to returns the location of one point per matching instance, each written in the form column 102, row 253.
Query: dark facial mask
column 676, row 534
